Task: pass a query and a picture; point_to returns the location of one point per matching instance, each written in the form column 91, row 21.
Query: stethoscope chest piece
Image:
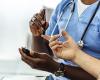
column 80, row 44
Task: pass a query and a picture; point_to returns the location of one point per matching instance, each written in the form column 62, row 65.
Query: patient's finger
column 47, row 37
column 24, row 55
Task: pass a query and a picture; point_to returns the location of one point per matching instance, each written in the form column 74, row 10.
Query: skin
column 88, row 2
column 42, row 57
column 69, row 50
column 69, row 46
column 40, row 61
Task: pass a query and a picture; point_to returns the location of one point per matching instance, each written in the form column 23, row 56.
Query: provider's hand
column 38, row 23
column 41, row 61
column 66, row 50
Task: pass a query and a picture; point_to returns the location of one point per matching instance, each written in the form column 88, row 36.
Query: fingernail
column 42, row 35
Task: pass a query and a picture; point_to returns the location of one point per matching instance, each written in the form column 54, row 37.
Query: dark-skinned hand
column 40, row 61
column 38, row 23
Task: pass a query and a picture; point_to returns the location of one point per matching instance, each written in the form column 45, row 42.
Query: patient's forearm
column 77, row 73
column 40, row 45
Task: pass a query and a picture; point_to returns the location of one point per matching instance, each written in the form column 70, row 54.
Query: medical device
column 71, row 4
column 81, row 43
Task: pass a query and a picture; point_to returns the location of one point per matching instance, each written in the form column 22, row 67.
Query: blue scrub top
column 77, row 26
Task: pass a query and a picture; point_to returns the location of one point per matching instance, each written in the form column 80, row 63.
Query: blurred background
column 15, row 33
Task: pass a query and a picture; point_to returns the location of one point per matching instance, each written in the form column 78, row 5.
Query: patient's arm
column 41, row 45
column 38, row 26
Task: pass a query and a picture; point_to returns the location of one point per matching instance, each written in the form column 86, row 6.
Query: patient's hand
column 41, row 61
column 38, row 23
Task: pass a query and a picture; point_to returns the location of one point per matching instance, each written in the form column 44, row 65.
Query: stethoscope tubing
column 93, row 15
column 61, row 14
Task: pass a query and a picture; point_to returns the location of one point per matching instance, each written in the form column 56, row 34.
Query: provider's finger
column 55, row 43
column 56, row 47
column 53, row 38
column 65, row 34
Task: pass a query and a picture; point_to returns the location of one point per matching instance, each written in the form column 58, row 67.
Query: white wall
column 14, row 19
column 51, row 3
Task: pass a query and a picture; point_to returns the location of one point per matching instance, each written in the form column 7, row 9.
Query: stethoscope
column 71, row 4
column 81, row 42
